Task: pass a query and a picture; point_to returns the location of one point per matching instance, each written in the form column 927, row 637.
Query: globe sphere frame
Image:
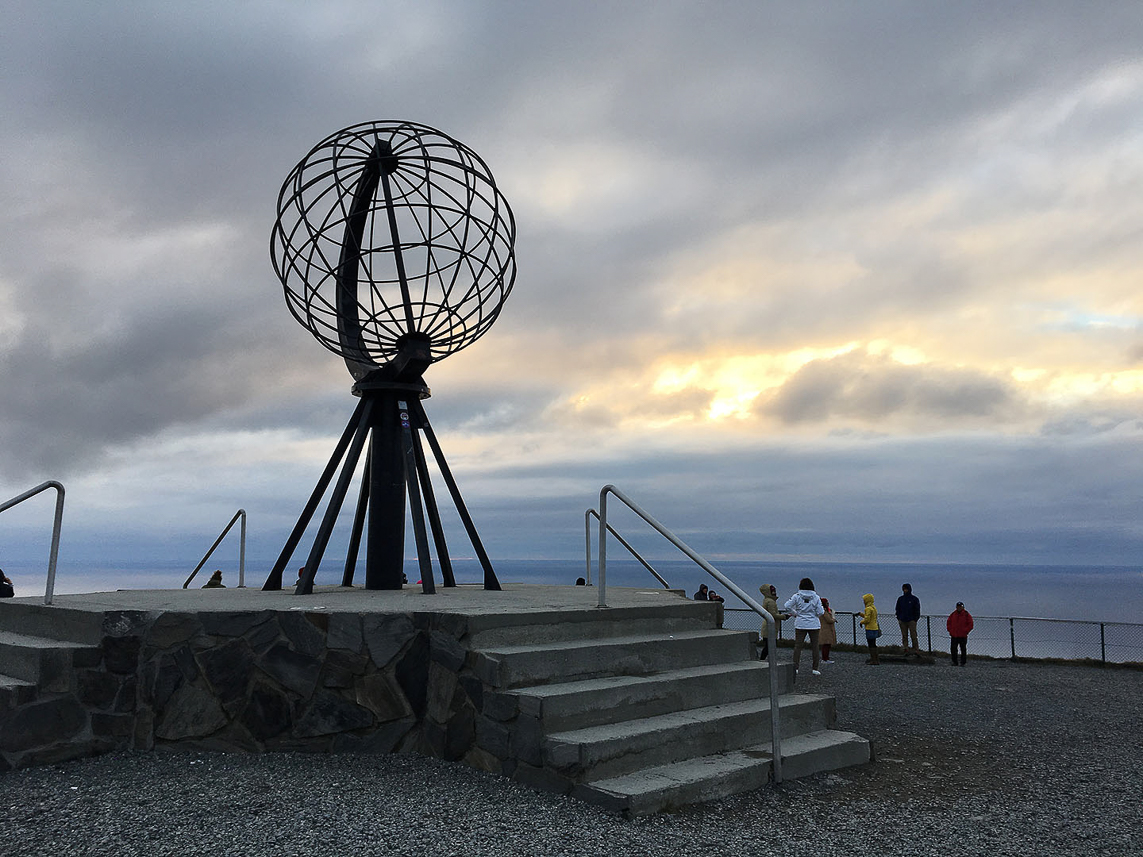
column 392, row 230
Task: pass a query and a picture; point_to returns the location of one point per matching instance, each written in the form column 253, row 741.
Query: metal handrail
column 50, row 589
column 587, row 516
column 241, row 513
column 730, row 585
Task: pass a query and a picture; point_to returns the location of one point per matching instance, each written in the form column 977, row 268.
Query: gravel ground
column 992, row 759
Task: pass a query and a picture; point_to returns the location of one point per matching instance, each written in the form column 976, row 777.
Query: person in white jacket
column 807, row 608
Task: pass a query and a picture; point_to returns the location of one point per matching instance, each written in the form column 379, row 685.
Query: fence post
column 929, row 629
column 853, row 623
column 1102, row 645
column 1012, row 635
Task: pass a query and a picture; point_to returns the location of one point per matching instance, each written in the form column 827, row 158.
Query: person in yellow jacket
column 872, row 629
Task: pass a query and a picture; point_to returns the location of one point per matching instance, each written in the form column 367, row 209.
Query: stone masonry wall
column 266, row 681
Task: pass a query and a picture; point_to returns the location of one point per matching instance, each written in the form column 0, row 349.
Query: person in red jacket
column 959, row 624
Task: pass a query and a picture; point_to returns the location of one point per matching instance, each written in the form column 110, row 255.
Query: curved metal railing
column 730, row 585
column 591, row 513
column 49, row 590
column 241, row 513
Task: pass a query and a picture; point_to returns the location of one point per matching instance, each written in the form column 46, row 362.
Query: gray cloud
column 861, row 386
column 131, row 131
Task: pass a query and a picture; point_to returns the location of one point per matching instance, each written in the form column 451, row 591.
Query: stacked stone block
column 251, row 682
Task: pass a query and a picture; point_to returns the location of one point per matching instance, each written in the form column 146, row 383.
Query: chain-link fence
column 991, row 636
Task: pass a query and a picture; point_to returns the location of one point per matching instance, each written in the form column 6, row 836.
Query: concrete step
column 15, row 692
column 600, row 752
column 822, row 750
column 677, row 784
column 664, row 614
column 33, row 617
column 45, row 662
column 565, row 706
column 526, row 665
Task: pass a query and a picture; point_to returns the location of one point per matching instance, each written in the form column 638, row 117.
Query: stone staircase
column 641, row 707
column 51, row 673
column 645, row 712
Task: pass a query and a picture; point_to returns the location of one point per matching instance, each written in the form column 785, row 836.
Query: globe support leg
column 274, row 580
column 490, row 580
column 317, row 551
column 396, row 474
column 433, row 512
column 358, row 525
column 415, row 508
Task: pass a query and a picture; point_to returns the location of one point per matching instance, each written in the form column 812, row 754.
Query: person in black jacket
column 6, row 588
column 908, row 612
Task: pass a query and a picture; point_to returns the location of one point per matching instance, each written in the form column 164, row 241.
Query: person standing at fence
column 807, row 609
column 959, row 624
column 829, row 632
column 872, row 629
column 908, row 612
column 770, row 605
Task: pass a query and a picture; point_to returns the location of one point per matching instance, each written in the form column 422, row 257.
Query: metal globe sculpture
column 395, row 249
column 392, row 229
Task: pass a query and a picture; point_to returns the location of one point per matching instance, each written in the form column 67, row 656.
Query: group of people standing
column 815, row 621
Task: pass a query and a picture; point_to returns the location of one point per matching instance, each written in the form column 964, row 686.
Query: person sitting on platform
column 215, row 581
column 702, row 594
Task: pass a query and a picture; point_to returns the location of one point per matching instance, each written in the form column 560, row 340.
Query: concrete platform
column 640, row 706
column 469, row 599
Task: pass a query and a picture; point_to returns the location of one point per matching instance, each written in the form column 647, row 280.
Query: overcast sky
column 808, row 280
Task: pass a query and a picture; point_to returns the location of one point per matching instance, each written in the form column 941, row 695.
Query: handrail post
column 1012, row 635
column 241, row 513
column 57, row 526
column 242, row 551
column 603, row 545
column 587, row 553
column 53, row 556
column 775, row 719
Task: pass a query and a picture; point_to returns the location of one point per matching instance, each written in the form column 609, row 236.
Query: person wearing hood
column 770, row 605
column 829, row 632
column 807, row 609
column 959, row 624
column 908, row 610
column 872, row 629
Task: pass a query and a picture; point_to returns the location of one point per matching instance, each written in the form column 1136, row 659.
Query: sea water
column 1033, row 611
column 1091, row 593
